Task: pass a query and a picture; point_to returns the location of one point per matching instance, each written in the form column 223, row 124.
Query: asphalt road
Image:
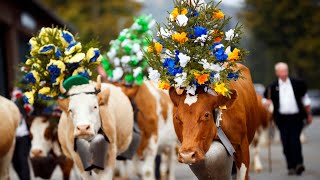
column 311, row 152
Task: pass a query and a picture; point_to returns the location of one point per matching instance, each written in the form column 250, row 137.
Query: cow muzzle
column 190, row 156
column 84, row 131
column 36, row 153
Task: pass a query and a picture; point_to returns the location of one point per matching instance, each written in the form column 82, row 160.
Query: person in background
column 23, row 142
column 291, row 108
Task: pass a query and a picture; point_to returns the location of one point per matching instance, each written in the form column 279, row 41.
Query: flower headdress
column 55, row 55
column 125, row 61
column 196, row 50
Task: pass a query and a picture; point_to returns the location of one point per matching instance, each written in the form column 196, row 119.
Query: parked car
column 314, row 95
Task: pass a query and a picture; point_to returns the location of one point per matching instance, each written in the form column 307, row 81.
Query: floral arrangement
column 55, row 55
column 195, row 50
column 125, row 61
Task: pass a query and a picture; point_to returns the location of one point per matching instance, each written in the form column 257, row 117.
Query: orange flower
column 217, row 39
column 219, row 36
column 164, row 85
column 180, row 37
column 158, row 47
column 201, row 78
column 218, row 15
column 234, row 55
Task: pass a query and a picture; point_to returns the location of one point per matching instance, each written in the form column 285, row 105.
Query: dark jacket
column 299, row 90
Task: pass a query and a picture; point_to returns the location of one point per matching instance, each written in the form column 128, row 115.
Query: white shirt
column 287, row 100
column 22, row 130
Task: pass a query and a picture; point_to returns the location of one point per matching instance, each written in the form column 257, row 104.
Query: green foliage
column 101, row 19
column 290, row 31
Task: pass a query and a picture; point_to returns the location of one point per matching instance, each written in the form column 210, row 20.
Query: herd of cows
column 167, row 125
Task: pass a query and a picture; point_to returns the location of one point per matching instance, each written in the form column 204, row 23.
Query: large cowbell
column 217, row 164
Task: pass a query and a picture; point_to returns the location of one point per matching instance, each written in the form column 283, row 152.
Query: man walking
column 291, row 107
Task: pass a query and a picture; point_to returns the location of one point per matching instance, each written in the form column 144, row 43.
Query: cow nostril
column 88, row 127
column 193, row 156
column 78, row 128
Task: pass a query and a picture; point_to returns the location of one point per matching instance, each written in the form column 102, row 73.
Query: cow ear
column 175, row 98
column 223, row 100
column 64, row 104
column 103, row 97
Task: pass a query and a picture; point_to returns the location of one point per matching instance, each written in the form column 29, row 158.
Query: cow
column 9, row 121
column 88, row 109
column 264, row 120
column 196, row 128
column 45, row 151
column 154, row 117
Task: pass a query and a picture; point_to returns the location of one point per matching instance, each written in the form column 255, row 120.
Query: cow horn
column 98, row 86
column 62, row 89
column 179, row 90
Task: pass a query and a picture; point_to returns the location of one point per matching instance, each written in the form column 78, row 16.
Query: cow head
column 42, row 136
column 195, row 124
column 83, row 108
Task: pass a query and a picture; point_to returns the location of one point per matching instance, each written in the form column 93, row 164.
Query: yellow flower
column 36, row 76
column 150, row 49
column 221, row 89
column 93, row 55
column 218, row 15
column 76, row 58
column 44, row 90
column 29, row 62
column 59, row 79
column 158, row 47
column 180, row 37
column 234, row 55
column 176, row 12
column 201, row 78
column 164, row 85
column 28, row 97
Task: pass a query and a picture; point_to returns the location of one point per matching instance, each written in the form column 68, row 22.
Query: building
column 19, row 20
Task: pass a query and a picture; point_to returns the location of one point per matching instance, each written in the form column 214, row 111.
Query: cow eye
column 70, row 111
column 206, row 115
column 95, row 107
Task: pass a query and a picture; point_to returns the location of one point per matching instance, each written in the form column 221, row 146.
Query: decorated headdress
column 197, row 52
column 125, row 61
column 56, row 56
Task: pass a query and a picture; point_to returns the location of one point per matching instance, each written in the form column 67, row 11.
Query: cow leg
column 256, row 163
column 66, row 166
column 243, row 160
column 150, row 156
column 172, row 162
column 164, row 165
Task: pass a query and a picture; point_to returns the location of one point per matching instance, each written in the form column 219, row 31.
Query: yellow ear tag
column 224, row 107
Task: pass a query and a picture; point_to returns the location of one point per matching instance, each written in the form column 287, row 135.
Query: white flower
column 125, row 59
column 136, row 26
column 164, row 33
column 126, row 42
column 191, row 89
column 139, row 55
column 180, row 79
column 218, row 46
column 154, row 75
column 209, row 91
column 136, row 47
column 137, row 71
column 184, row 59
column 213, row 67
column 117, row 74
column 116, row 61
column 216, row 77
column 182, row 20
column 228, row 50
column 202, row 38
column 112, row 53
column 230, row 35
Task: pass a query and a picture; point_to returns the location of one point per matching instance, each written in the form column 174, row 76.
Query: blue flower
column 95, row 56
column 220, row 55
column 55, row 72
column 73, row 47
column 199, row 31
column 46, row 49
column 30, row 78
column 169, row 62
column 233, row 75
column 44, row 97
column 67, row 36
column 85, row 74
column 177, row 52
column 173, row 71
column 58, row 53
column 192, row 13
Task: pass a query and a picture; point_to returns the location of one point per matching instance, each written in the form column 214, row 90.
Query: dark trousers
column 20, row 157
column 290, row 127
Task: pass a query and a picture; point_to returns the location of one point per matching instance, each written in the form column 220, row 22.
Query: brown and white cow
column 264, row 120
column 9, row 121
column 154, row 118
column 45, row 148
column 195, row 124
column 85, row 113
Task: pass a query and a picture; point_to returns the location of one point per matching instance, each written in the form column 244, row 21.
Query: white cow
column 9, row 121
column 86, row 112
